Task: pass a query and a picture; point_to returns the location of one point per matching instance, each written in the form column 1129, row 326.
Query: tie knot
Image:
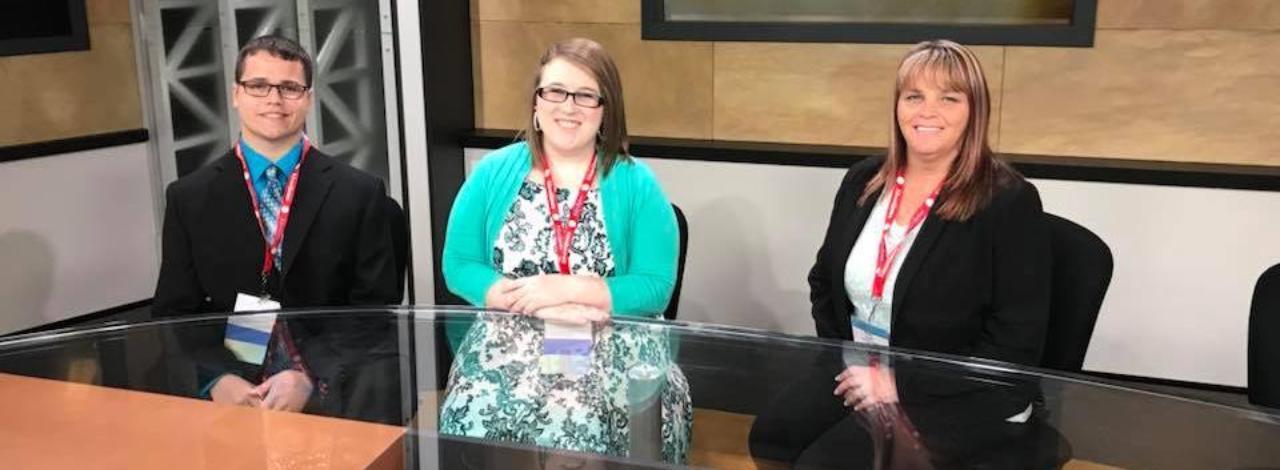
column 272, row 172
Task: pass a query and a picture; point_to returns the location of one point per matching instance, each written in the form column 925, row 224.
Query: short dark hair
column 280, row 47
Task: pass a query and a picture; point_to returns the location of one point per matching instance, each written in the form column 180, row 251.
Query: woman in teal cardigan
column 640, row 223
column 606, row 246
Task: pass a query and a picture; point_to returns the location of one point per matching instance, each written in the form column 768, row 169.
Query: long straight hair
column 976, row 172
column 611, row 143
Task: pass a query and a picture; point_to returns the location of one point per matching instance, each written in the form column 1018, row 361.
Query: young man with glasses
column 274, row 223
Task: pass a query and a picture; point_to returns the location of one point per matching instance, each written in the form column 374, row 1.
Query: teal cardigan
column 638, row 219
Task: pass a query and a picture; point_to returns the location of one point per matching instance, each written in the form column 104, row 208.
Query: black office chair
column 399, row 238
column 683, row 224
column 1264, row 340
column 1082, row 266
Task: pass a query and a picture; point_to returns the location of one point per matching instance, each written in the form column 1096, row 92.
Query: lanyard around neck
column 564, row 229
column 282, row 217
column 885, row 257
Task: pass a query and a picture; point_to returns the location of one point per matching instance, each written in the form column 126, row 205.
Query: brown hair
column 611, row 143
column 280, row 47
column 976, row 172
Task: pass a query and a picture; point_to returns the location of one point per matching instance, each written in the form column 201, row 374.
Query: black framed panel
column 450, row 115
column 44, row 26
column 72, row 144
column 1079, row 32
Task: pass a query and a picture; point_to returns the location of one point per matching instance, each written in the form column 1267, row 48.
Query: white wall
column 77, row 235
column 753, row 233
column 1186, row 261
column 1178, row 304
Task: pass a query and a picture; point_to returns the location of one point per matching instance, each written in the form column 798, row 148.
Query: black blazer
column 975, row 288
column 337, row 251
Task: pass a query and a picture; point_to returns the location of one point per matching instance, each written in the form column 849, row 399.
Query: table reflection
column 927, row 420
column 500, row 388
column 653, row 394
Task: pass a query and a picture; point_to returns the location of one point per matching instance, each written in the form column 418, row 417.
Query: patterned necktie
column 279, row 355
column 270, row 207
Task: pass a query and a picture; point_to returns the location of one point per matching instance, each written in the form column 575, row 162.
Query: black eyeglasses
column 288, row 90
column 585, row 99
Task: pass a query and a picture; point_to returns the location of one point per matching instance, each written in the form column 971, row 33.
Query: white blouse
column 859, row 273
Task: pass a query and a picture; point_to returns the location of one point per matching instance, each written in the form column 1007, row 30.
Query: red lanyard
column 282, row 217
column 885, row 258
column 564, row 229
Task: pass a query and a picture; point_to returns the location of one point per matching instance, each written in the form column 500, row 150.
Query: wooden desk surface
column 53, row 424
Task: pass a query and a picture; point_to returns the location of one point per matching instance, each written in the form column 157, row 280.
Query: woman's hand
column 499, row 295
column 575, row 314
column 534, row 293
column 865, row 386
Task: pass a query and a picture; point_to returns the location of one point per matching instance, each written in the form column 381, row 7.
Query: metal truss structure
column 192, row 50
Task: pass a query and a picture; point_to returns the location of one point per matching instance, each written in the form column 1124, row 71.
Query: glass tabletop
column 403, row 387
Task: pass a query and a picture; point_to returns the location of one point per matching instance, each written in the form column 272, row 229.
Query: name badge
column 874, row 328
column 566, row 349
column 247, row 336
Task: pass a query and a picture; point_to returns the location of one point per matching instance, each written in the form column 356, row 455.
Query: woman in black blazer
column 939, row 246
column 966, row 260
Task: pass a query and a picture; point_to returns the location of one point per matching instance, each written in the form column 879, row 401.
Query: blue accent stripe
column 869, row 328
column 569, row 347
column 248, row 335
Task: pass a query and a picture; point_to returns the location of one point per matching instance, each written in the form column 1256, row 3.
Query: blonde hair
column 976, row 172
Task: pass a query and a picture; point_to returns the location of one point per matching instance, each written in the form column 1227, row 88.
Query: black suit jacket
column 975, row 288
column 337, row 252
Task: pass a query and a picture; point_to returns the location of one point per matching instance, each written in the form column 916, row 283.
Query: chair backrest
column 399, row 238
column 683, row 224
column 1264, row 340
column 1082, row 266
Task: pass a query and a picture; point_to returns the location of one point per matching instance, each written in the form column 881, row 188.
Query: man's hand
column 233, row 390
column 287, row 390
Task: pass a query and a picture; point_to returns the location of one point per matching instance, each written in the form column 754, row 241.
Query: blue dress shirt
column 258, row 165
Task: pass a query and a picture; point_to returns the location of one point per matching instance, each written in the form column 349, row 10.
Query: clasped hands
column 286, row 391
column 556, row 297
column 863, row 386
column 871, row 389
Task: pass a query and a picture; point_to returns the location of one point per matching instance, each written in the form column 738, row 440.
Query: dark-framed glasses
column 585, row 99
column 287, row 90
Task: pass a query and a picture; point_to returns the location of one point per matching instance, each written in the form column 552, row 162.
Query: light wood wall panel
column 558, row 11
column 1233, row 15
column 107, row 11
column 839, row 94
column 1149, row 94
column 1180, row 80
column 9, row 120
column 667, row 85
column 70, row 94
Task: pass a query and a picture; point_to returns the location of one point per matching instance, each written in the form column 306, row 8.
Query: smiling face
column 271, row 121
column 567, row 128
column 932, row 117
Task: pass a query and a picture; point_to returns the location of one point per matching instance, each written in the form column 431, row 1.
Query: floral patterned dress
column 497, row 390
